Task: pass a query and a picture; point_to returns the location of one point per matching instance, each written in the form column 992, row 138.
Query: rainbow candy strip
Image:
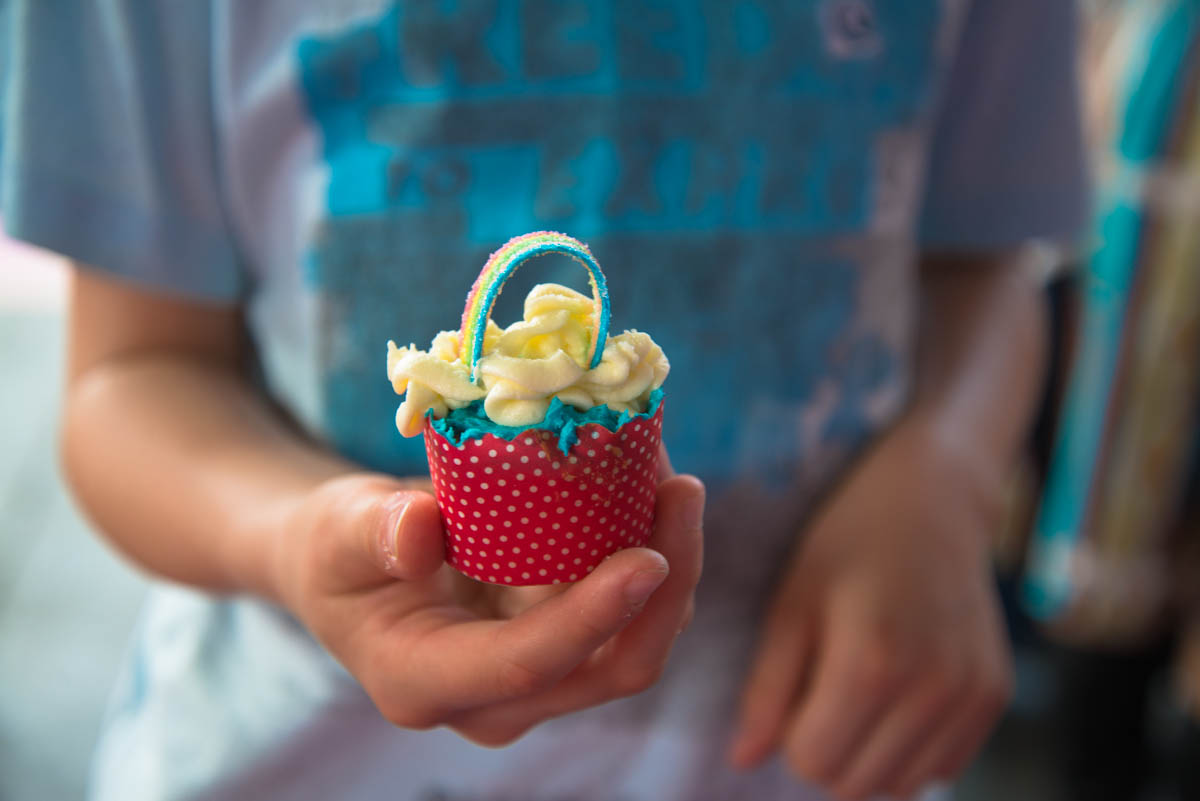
column 501, row 264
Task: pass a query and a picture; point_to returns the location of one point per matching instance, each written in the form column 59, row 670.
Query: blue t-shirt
column 755, row 177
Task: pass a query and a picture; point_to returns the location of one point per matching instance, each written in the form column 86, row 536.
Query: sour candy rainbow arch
column 501, row 264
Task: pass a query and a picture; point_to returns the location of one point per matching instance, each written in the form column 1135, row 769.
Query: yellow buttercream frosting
column 524, row 366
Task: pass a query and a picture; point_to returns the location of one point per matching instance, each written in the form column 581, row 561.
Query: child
column 260, row 195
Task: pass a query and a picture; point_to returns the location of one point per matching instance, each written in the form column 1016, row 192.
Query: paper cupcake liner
column 521, row 513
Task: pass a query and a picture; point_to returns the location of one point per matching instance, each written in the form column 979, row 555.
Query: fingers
column 634, row 659
column 478, row 663
column 369, row 529
column 678, row 535
column 775, row 678
column 405, row 538
column 890, row 746
column 988, row 687
column 853, row 685
column 639, row 653
column 960, row 737
column 891, row 715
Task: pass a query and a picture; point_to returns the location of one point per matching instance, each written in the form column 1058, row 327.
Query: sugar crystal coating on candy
column 501, row 264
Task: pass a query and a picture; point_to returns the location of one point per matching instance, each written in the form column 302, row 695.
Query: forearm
column 185, row 468
column 981, row 357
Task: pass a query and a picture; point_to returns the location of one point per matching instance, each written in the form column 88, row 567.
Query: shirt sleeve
column 110, row 156
column 1007, row 161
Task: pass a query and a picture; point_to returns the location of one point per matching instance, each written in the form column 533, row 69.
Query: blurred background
column 1099, row 566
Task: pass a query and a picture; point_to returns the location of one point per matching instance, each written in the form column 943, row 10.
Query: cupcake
column 542, row 437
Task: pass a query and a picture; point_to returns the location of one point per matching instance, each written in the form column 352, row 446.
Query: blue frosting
column 470, row 422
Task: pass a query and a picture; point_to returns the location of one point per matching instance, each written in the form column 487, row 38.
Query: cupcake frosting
column 523, row 367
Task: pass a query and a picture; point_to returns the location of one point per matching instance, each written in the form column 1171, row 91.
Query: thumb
column 377, row 527
column 405, row 535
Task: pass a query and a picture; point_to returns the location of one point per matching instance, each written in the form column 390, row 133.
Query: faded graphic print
column 742, row 170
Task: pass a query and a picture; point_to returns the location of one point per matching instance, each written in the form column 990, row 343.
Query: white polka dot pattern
column 568, row 517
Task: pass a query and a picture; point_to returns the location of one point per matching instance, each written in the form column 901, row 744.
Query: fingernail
column 642, row 586
column 396, row 507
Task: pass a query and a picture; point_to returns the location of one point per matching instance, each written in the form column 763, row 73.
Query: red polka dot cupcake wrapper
column 521, row 513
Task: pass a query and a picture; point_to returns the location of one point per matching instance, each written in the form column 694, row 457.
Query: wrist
column 958, row 462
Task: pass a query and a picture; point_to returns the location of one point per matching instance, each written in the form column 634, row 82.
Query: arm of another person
column 190, row 472
column 883, row 663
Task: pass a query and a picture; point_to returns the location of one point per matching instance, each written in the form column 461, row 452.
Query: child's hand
column 884, row 664
column 360, row 562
